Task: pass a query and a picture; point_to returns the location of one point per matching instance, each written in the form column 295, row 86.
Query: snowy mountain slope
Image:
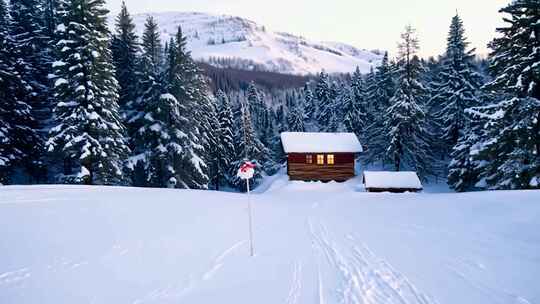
column 314, row 243
column 251, row 46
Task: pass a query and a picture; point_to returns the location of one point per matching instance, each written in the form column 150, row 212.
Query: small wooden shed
column 384, row 181
column 320, row 156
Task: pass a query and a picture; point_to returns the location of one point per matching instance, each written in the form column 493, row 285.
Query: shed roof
column 392, row 180
column 312, row 142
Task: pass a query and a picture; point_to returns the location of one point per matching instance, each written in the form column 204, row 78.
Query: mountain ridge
column 234, row 42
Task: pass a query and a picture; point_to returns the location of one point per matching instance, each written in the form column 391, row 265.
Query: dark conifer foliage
column 33, row 64
column 226, row 153
column 17, row 135
column 456, row 86
column 510, row 149
column 406, row 126
column 88, row 136
column 125, row 50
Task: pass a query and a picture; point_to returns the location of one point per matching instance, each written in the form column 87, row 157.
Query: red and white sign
column 246, row 171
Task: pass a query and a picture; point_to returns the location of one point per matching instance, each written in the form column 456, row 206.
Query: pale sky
column 369, row 24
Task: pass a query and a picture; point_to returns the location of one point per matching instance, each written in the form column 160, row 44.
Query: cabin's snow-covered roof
column 392, row 180
column 311, row 142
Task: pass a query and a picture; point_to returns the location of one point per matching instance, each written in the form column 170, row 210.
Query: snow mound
column 392, row 180
column 228, row 41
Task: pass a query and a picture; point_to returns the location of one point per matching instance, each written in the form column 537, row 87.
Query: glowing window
column 320, row 159
column 309, row 159
column 330, row 159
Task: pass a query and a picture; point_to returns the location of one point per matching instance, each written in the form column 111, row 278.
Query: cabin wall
column 341, row 170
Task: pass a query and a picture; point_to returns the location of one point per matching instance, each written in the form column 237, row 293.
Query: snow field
column 314, row 243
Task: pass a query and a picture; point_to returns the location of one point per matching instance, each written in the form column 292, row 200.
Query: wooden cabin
column 320, row 156
column 396, row 182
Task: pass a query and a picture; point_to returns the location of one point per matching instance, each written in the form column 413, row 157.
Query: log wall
column 341, row 170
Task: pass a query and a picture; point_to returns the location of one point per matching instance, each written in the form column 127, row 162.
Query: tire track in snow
column 365, row 277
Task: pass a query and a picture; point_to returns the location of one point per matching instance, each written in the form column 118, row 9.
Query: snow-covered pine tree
column 209, row 130
column 511, row 148
column 50, row 17
column 258, row 109
column 33, row 65
column 369, row 87
column 406, row 126
column 248, row 148
column 354, row 103
column 325, row 101
column 456, row 86
column 17, row 135
column 295, row 118
column 27, row 31
column 309, row 104
column 141, row 117
column 379, row 95
column 150, row 67
column 88, row 134
column 226, row 139
column 385, row 85
column 187, row 84
column 125, row 49
column 464, row 169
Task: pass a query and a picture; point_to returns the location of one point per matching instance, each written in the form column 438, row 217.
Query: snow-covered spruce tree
column 464, row 169
column 456, row 86
column 260, row 114
column 406, row 126
column 295, row 118
column 248, row 148
column 354, row 103
column 187, row 84
column 33, row 65
column 226, row 139
column 27, row 31
column 210, row 138
column 325, row 101
column 510, row 151
column 88, row 134
column 140, row 116
column 17, row 135
column 125, row 49
column 379, row 95
column 258, row 109
column 50, row 17
column 384, row 85
column 150, row 80
column 309, row 104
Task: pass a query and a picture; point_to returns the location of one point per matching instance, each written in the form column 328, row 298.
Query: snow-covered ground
column 314, row 243
column 222, row 36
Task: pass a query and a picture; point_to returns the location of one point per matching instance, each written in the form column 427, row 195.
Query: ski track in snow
column 177, row 290
column 365, row 277
column 296, row 284
column 13, row 277
column 218, row 262
column 466, row 269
